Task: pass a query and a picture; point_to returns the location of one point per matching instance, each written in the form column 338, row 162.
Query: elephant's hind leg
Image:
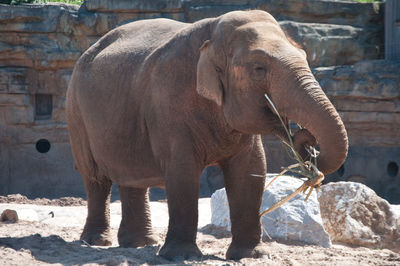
column 98, row 187
column 97, row 227
column 135, row 229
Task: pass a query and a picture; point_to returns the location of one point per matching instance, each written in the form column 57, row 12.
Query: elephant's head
column 247, row 56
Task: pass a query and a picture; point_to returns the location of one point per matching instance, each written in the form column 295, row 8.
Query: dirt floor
column 54, row 242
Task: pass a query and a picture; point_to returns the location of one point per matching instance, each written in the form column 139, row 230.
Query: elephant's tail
column 80, row 146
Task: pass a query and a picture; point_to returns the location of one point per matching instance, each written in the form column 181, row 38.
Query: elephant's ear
column 208, row 83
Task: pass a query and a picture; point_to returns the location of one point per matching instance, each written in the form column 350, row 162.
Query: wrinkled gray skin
column 155, row 101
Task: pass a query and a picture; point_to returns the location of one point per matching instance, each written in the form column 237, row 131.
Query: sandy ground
column 40, row 239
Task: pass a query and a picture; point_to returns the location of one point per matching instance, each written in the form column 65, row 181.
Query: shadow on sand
column 54, row 249
column 216, row 231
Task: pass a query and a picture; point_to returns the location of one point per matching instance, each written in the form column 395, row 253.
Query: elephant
column 154, row 102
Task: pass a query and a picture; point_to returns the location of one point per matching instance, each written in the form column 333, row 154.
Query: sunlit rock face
column 297, row 220
column 353, row 214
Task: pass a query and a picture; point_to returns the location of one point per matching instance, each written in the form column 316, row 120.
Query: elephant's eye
column 259, row 73
column 260, row 69
column 218, row 69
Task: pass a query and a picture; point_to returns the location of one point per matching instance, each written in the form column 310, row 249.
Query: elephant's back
column 103, row 89
column 135, row 39
column 111, row 65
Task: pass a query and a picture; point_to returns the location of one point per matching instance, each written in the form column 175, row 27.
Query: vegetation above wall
column 368, row 1
column 18, row 2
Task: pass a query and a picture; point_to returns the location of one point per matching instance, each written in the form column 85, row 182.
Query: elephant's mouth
column 301, row 137
column 278, row 117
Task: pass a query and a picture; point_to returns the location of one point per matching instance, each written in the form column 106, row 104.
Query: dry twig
column 307, row 170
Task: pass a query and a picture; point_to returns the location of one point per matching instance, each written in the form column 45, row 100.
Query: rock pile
column 344, row 212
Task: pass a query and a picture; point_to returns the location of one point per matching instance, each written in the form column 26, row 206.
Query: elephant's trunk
column 308, row 106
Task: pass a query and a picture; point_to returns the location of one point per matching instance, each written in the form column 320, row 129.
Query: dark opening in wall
column 43, row 145
column 43, row 106
column 340, row 171
column 392, row 169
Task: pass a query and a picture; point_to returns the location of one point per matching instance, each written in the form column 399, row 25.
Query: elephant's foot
column 128, row 241
column 96, row 237
column 239, row 251
column 180, row 250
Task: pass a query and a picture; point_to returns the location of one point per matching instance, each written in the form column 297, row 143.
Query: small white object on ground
column 296, row 220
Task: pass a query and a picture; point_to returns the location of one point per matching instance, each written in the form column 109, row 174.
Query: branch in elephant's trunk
column 307, row 170
column 289, row 143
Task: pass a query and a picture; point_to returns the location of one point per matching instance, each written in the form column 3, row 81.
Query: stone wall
column 367, row 97
column 39, row 45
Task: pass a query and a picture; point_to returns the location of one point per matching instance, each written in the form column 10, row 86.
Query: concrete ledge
column 35, row 18
column 325, row 11
column 332, row 44
column 321, row 11
column 134, row 6
column 366, row 97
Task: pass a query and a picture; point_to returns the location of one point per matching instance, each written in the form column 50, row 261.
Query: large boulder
column 353, row 214
column 297, row 220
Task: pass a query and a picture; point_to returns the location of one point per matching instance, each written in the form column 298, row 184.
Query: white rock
column 297, row 220
column 353, row 214
column 220, row 209
column 396, row 210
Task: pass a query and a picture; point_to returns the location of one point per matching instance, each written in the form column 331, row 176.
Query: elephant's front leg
column 244, row 195
column 182, row 180
column 135, row 229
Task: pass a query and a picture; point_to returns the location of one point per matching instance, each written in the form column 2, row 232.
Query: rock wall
column 39, row 45
column 367, row 97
